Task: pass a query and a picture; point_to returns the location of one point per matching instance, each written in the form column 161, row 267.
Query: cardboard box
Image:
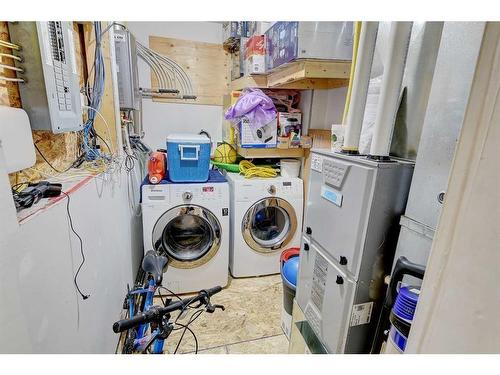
column 235, row 66
column 288, row 123
column 258, row 27
column 243, row 61
column 294, row 140
column 283, row 142
column 255, row 64
column 288, row 41
column 306, row 141
column 228, row 132
column 235, row 30
column 263, row 137
column 255, row 55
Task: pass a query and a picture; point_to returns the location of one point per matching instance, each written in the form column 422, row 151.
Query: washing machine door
column 189, row 235
column 269, row 225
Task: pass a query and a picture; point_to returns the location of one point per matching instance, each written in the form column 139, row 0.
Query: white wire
column 11, row 56
column 178, row 72
column 11, row 67
column 105, row 123
column 9, row 45
column 155, row 68
column 9, row 79
column 186, row 81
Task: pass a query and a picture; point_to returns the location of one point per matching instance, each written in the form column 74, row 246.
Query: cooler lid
column 188, row 137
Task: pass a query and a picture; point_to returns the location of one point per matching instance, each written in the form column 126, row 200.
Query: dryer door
column 269, row 225
column 189, row 235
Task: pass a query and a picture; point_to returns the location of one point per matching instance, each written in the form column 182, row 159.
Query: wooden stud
column 107, row 106
column 251, row 153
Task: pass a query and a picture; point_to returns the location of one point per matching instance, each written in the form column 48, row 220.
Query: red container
column 156, row 167
column 289, row 253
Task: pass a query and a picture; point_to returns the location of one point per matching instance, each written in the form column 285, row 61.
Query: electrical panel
column 51, row 92
column 126, row 61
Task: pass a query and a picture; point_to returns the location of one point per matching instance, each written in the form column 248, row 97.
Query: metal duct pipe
column 390, row 91
column 360, row 85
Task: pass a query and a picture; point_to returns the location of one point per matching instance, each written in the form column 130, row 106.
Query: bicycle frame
column 141, row 341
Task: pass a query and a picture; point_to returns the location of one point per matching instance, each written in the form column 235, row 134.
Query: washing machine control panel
column 154, row 194
column 187, row 195
column 196, row 193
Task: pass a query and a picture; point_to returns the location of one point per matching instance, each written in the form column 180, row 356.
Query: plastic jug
column 156, row 167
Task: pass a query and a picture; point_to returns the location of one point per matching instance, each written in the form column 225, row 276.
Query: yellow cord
column 96, row 166
column 249, row 170
column 355, row 45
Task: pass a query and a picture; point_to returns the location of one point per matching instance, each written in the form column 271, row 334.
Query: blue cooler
column 188, row 157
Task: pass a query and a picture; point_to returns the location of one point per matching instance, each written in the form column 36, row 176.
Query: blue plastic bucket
column 188, row 157
column 289, row 273
column 403, row 312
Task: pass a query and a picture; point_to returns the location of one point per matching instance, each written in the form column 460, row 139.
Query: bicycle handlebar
column 156, row 312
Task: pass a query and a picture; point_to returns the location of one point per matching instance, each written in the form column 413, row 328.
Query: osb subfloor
column 249, row 325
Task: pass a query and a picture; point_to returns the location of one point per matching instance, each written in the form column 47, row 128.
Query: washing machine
column 189, row 223
column 266, row 218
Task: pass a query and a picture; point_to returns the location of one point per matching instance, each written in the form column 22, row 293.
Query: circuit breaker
column 51, row 92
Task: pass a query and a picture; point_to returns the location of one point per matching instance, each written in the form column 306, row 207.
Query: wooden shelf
column 253, row 153
column 259, row 81
column 300, row 75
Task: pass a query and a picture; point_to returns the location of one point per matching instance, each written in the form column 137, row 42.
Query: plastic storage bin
column 288, row 41
column 289, row 271
column 188, row 157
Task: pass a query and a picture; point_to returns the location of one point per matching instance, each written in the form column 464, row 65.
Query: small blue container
column 188, row 157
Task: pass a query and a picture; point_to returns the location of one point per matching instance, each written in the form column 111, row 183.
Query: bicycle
column 156, row 319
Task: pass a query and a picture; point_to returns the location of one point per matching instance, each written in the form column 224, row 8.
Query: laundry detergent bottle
column 156, row 167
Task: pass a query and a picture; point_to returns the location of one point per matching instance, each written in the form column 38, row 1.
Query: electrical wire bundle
column 94, row 97
column 13, row 47
column 168, row 73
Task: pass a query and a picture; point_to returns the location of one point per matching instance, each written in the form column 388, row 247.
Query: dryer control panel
column 279, row 187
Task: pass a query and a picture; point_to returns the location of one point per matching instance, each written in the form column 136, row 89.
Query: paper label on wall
column 317, row 162
column 361, row 314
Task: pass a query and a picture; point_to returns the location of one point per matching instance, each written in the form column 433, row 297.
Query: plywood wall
column 207, row 64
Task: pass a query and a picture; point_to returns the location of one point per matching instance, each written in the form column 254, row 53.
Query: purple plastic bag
column 256, row 106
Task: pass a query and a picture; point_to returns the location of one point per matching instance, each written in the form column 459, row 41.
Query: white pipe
column 116, row 99
column 361, row 80
column 394, row 67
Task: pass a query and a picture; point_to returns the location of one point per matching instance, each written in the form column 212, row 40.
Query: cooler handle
column 184, row 157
